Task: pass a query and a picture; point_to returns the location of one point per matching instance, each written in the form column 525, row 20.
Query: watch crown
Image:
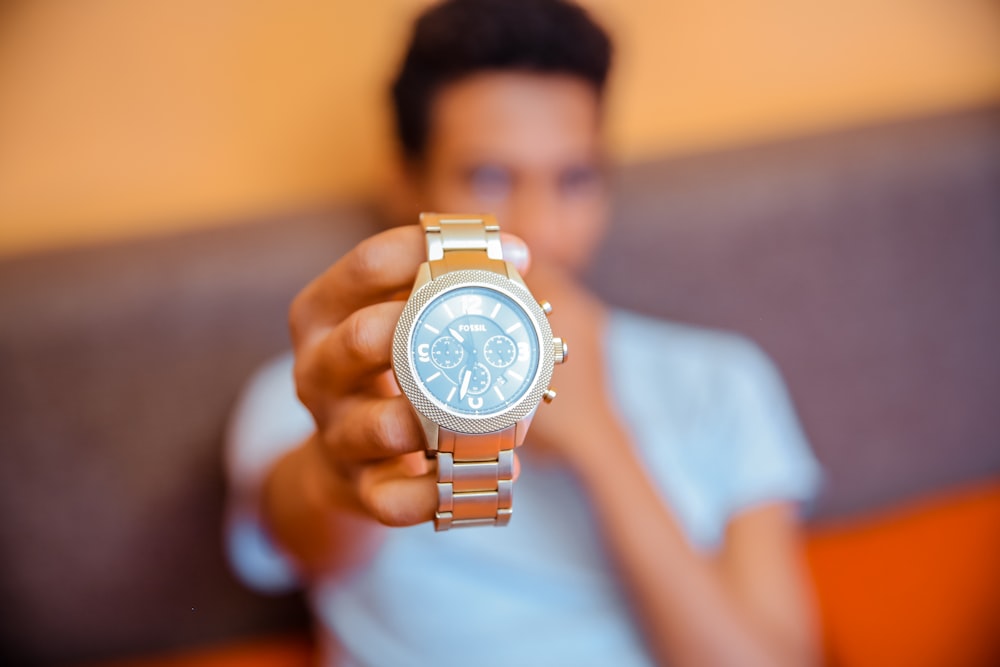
column 549, row 395
column 561, row 350
column 546, row 306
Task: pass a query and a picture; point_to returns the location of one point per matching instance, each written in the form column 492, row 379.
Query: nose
column 533, row 213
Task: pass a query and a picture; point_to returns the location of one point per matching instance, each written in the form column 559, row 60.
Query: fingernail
column 514, row 250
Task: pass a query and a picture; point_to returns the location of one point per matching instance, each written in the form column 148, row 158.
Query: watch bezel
column 406, row 373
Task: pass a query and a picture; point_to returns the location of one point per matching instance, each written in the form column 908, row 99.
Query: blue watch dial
column 474, row 350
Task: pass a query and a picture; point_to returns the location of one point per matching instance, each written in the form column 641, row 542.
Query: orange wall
column 121, row 118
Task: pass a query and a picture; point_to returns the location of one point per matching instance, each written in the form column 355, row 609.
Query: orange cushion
column 918, row 586
column 292, row 650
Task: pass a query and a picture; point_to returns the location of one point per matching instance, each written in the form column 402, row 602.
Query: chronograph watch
column 474, row 353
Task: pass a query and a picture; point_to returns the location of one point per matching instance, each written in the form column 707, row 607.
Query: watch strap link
column 462, row 242
column 475, row 472
column 475, row 479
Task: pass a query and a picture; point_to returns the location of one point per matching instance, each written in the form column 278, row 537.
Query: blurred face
column 525, row 147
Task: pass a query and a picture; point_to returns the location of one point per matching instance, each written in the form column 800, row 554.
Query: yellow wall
column 121, row 118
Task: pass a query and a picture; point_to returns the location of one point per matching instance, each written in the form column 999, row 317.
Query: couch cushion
column 917, row 585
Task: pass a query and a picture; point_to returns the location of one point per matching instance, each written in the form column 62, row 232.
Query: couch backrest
column 118, row 368
column 867, row 263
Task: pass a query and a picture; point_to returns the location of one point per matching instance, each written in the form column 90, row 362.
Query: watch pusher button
column 549, row 395
column 561, row 350
column 546, row 306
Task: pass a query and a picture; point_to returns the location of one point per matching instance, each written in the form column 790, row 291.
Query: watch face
column 474, row 350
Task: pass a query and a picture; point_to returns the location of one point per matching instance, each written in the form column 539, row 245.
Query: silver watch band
column 475, row 479
column 475, row 472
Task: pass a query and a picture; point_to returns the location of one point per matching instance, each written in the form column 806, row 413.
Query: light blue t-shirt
column 711, row 420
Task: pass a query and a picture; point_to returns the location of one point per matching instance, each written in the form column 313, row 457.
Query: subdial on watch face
column 446, row 352
column 500, row 351
column 478, row 379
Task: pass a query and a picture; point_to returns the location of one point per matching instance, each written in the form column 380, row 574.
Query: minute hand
column 465, row 384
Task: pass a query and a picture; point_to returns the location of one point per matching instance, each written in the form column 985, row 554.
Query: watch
column 474, row 353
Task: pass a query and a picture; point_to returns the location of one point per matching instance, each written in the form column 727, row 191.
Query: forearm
column 690, row 615
column 310, row 516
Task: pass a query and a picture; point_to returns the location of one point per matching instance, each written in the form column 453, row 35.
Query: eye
column 489, row 182
column 579, row 180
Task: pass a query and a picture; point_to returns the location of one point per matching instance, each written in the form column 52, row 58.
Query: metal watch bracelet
column 475, row 471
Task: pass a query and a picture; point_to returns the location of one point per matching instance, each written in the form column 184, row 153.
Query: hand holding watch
column 474, row 354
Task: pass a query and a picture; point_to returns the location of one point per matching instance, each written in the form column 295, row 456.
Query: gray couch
column 866, row 262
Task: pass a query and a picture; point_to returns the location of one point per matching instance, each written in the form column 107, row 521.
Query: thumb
column 515, row 251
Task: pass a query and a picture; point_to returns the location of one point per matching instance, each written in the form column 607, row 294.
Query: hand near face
column 570, row 427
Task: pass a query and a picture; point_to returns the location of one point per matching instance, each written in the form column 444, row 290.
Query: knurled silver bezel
column 403, row 365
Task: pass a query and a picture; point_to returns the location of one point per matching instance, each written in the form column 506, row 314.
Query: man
column 655, row 514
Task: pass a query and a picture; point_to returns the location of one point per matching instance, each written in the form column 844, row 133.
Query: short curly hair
column 459, row 38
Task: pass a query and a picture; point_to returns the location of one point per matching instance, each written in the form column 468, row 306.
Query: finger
column 372, row 429
column 385, row 384
column 377, row 269
column 516, row 251
column 402, row 491
column 371, row 272
column 394, row 496
column 350, row 354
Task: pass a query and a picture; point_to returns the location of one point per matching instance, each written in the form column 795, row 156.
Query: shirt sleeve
column 769, row 456
column 710, row 417
column 268, row 422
